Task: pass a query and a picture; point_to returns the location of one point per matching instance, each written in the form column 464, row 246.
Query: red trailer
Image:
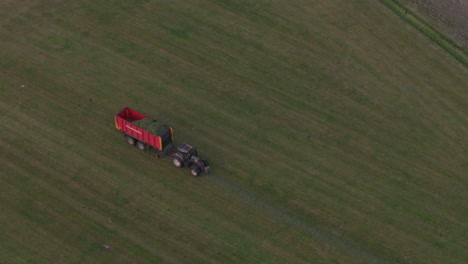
column 129, row 122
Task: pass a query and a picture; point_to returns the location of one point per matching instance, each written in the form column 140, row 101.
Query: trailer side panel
column 123, row 122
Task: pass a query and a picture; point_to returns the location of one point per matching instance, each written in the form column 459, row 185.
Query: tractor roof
column 185, row 148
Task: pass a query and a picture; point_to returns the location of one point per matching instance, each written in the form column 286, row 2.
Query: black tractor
column 187, row 156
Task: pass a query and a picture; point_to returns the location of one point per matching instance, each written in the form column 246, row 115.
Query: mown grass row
column 328, row 139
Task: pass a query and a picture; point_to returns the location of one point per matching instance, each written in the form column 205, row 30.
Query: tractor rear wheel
column 130, row 140
column 195, row 171
column 140, row 145
column 177, row 162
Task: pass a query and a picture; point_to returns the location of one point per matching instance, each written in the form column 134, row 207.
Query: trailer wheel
column 157, row 154
column 130, row 140
column 140, row 145
column 195, row 171
column 177, row 162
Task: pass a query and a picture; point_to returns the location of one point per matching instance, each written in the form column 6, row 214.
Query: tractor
column 187, row 156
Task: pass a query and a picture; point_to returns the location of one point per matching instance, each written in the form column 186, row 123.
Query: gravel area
column 449, row 16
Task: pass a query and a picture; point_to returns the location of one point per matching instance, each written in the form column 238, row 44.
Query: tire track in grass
column 84, row 151
column 256, row 200
column 370, row 164
column 281, row 213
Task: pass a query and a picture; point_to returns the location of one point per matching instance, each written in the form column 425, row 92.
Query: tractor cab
column 188, row 150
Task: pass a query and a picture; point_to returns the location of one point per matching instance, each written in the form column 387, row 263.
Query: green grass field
column 336, row 130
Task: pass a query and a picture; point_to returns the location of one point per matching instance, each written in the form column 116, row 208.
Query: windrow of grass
column 335, row 131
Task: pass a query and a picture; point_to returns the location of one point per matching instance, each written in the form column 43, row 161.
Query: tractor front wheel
column 177, row 162
column 195, row 171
